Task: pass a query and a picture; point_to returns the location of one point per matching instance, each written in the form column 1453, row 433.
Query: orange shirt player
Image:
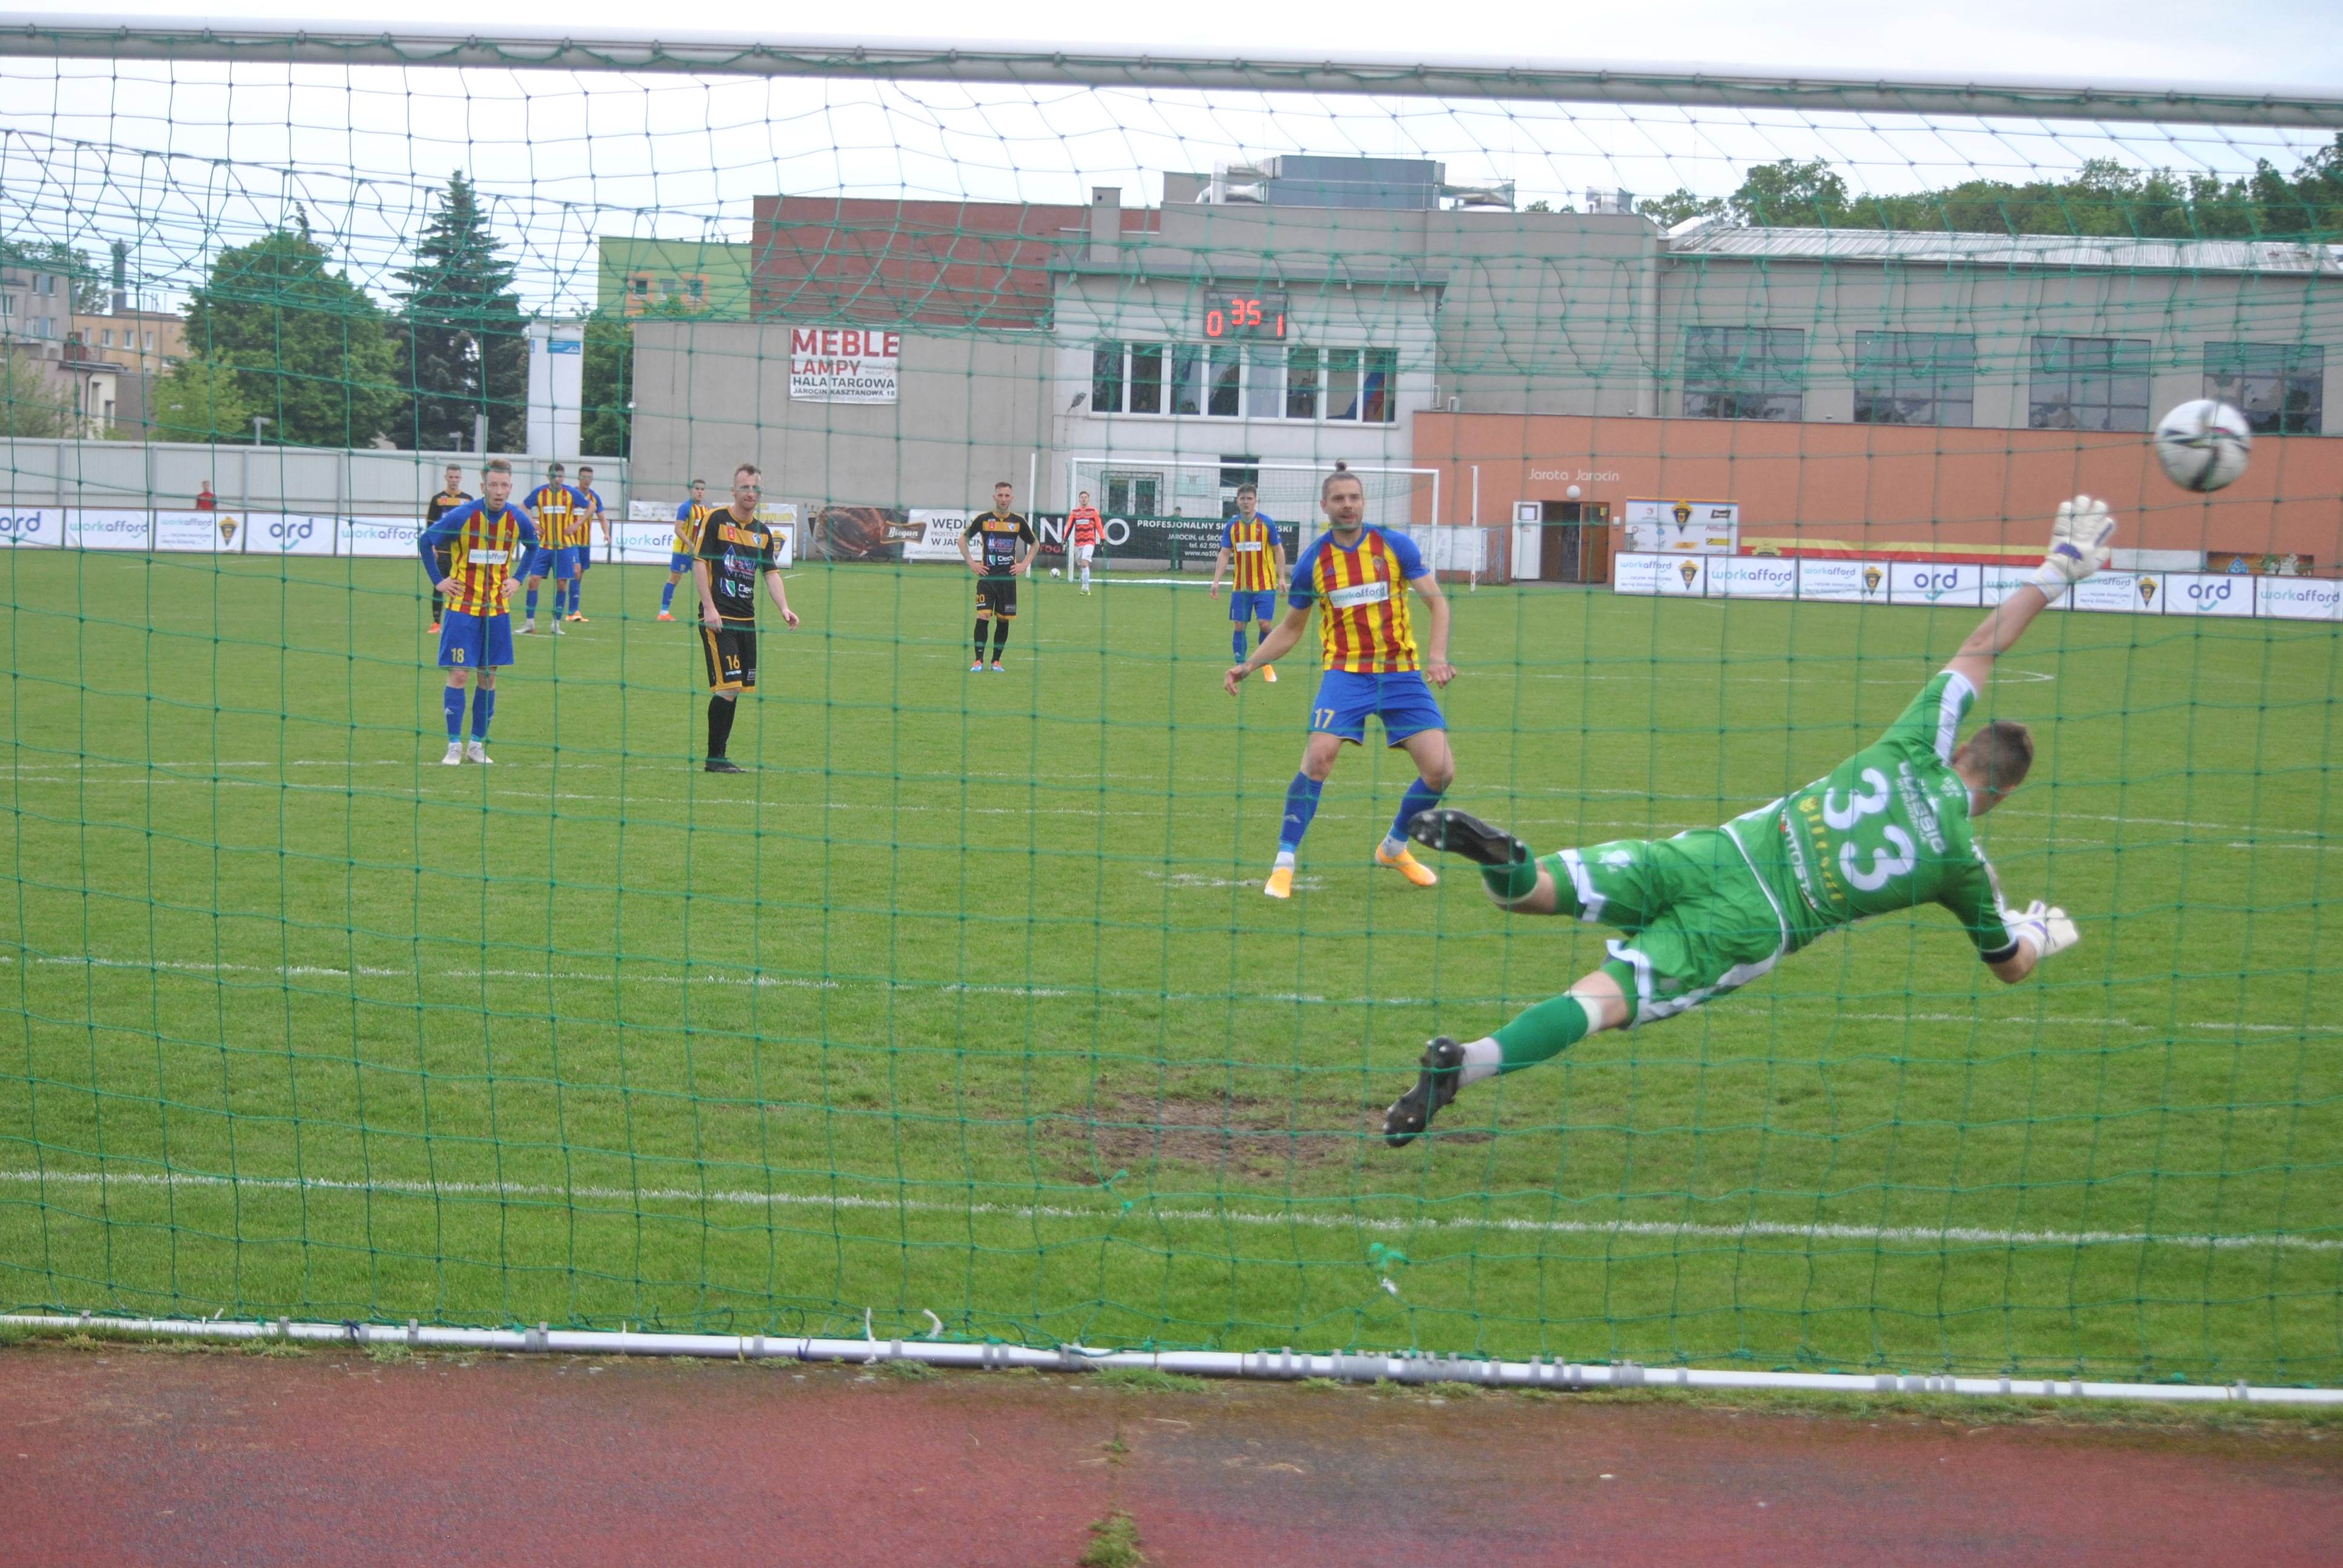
column 1357, row 576
column 1084, row 529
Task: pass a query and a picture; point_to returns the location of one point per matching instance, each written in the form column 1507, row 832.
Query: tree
column 32, row 401
column 1789, row 194
column 1678, row 205
column 463, row 345
column 311, row 349
column 200, row 399
column 605, row 423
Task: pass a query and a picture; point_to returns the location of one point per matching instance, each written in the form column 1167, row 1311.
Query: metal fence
column 321, row 480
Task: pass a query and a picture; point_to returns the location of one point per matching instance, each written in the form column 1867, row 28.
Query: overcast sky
column 181, row 160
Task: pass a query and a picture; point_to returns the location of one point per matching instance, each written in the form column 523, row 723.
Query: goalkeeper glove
column 2047, row 928
column 2079, row 541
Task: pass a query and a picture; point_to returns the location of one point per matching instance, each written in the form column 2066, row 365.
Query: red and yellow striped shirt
column 1361, row 598
column 1252, row 554
column 558, row 523
column 483, row 552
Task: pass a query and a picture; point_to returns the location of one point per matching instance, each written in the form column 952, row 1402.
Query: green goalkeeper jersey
column 1887, row 830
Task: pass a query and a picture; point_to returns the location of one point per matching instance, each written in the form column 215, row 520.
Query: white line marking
column 1876, row 1235
column 635, row 975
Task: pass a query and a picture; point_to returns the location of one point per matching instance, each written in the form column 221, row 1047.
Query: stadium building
column 1524, row 372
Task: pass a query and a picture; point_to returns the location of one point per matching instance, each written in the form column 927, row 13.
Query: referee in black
column 450, row 497
column 737, row 548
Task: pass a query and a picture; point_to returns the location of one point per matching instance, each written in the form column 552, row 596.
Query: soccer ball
column 1053, row 571
column 2202, row 444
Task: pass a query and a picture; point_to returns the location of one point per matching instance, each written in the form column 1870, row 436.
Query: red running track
column 136, row 1456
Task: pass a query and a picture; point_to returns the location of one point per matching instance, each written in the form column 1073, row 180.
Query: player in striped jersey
column 1259, row 551
column 554, row 507
column 690, row 522
column 589, row 517
column 480, row 547
column 1358, row 577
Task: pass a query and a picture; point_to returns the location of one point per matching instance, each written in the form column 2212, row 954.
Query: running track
column 143, row 1456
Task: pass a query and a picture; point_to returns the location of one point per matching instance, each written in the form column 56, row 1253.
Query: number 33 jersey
column 1887, row 830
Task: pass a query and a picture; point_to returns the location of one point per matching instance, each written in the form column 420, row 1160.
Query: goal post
column 959, row 960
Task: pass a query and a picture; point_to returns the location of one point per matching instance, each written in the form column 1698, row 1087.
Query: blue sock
column 1420, row 797
column 1238, row 642
column 667, row 596
column 578, row 593
column 453, row 701
column 532, row 601
column 483, row 707
column 1301, row 805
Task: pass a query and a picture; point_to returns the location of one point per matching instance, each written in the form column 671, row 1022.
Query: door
column 1559, row 549
column 1575, row 542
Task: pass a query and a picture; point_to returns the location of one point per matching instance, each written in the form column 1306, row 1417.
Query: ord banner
column 1964, row 586
column 284, row 534
column 32, row 526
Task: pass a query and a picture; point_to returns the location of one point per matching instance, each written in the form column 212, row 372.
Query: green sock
column 1510, row 883
column 1547, row 1030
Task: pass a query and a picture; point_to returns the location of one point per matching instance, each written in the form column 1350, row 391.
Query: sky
column 183, row 159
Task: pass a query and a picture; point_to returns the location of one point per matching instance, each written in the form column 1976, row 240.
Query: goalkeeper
column 1707, row 911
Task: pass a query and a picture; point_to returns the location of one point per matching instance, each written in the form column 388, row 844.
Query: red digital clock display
column 1231, row 313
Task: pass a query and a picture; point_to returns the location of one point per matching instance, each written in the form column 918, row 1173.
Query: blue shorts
column 474, row 641
column 546, row 561
column 1403, row 701
column 679, row 561
column 1252, row 605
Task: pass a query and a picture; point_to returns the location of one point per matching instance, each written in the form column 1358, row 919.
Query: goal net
column 1739, row 404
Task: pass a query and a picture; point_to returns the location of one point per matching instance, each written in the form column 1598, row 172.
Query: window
column 150, row 342
column 2279, row 387
column 1265, row 383
column 1745, row 373
column 1342, row 384
column 1382, row 386
column 1914, row 379
column 2089, row 383
column 695, row 290
column 1228, row 369
column 1146, row 378
column 639, row 285
column 1106, row 378
column 1302, row 384
column 105, row 337
column 1187, row 380
column 1133, row 494
column 1245, row 380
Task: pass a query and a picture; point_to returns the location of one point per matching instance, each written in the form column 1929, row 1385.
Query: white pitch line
column 810, row 982
column 1903, row 1235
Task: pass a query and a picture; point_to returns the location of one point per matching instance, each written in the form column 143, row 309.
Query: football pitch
column 965, row 1001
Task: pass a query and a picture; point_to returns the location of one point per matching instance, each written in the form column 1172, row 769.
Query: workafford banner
column 1958, row 586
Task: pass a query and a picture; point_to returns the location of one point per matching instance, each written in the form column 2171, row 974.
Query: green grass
column 965, row 1000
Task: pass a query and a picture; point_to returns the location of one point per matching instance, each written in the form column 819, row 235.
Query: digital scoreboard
column 1241, row 313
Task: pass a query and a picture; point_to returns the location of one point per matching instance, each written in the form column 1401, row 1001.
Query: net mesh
column 965, row 999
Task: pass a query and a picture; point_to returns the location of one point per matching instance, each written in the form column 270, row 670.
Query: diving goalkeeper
column 1709, row 911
